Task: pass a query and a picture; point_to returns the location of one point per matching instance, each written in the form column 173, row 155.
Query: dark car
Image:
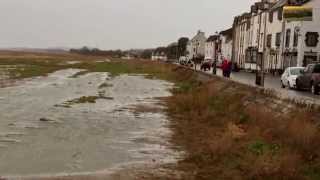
column 310, row 78
column 206, row 66
column 189, row 63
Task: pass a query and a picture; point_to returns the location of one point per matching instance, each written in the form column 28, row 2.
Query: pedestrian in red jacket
column 229, row 69
column 224, row 67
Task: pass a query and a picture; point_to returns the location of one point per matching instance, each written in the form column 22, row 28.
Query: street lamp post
column 260, row 79
column 215, row 50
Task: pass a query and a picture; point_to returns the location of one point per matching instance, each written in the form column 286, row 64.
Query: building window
column 278, row 39
column 269, row 40
column 271, row 16
column 280, row 11
column 295, row 38
column 312, row 39
column 248, row 24
column 288, row 35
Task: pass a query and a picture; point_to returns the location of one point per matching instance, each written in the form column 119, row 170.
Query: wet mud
column 58, row 125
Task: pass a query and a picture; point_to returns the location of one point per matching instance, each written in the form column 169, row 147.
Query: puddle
column 40, row 138
column 69, row 63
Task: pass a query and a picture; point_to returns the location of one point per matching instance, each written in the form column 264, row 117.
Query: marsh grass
column 83, row 100
column 39, row 64
column 230, row 132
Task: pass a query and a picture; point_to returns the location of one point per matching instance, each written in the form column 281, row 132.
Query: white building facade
column 265, row 37
column 249, row 31
column 274, row 38
column 301, row 46
column 226, row 43
column 240, row 39
column 211, row 47
column 292, row 43
column 196, row 46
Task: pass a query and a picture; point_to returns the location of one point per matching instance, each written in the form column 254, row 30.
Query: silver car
column 289, row 77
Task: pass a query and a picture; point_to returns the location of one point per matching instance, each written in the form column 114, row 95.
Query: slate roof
column 227, row 32
column 279, row 4
column 212, row 38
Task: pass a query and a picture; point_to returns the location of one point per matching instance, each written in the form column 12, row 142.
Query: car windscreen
column 296, row 71
column 316, row 68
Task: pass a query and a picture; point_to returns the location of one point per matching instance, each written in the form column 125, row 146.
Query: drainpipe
column 282, row 43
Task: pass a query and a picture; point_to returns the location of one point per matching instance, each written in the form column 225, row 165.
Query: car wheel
column 282, row 85
column 298, row 85
column 314, row 89
column 290, row 86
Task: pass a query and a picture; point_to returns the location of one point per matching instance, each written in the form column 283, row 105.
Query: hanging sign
column 298, row 13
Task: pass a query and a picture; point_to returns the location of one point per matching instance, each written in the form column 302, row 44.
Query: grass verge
column 233, row 131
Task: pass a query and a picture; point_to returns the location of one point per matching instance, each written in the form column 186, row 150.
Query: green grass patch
column 260, row 147
column 83, row 100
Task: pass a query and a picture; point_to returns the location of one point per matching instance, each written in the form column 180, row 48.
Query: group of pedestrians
column 226, row 68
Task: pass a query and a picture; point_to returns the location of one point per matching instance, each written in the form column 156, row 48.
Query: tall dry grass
column 231, row 131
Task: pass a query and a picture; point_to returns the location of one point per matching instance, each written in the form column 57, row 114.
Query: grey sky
column 111, row 24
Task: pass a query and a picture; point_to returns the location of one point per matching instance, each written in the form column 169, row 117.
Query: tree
column 146, row 54
column 182, row 46
column 172, row 51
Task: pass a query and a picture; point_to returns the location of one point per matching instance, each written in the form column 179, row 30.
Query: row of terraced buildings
column 264, row 38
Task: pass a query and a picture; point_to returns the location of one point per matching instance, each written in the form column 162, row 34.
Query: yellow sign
column 297, row 13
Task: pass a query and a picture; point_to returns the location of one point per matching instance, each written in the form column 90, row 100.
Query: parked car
column 309, row 78
column 206, row 64
column 219, row 63
column 183, row 60
column 289, row 77
column 189, row 63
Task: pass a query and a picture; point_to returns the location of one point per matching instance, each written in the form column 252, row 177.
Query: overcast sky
column 111, row 24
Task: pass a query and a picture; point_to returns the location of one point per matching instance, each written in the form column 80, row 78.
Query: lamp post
column 215, row 50
column 260, row 76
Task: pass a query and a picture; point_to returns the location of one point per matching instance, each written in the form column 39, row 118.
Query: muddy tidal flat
column 64, row 124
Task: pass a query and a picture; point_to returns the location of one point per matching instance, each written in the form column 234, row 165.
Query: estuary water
column 42, row 136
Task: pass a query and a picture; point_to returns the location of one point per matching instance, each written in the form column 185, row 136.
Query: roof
column 173, row 44
column 279, row 4
column 227, row 32
column 212, row 38
column 198, row 35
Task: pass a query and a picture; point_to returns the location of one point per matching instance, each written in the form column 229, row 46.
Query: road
column 271, row 82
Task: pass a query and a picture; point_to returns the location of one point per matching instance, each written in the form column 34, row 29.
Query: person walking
column 229, row 69
column 224, row 67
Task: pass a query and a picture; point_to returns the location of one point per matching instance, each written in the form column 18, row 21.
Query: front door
column 307, row 76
